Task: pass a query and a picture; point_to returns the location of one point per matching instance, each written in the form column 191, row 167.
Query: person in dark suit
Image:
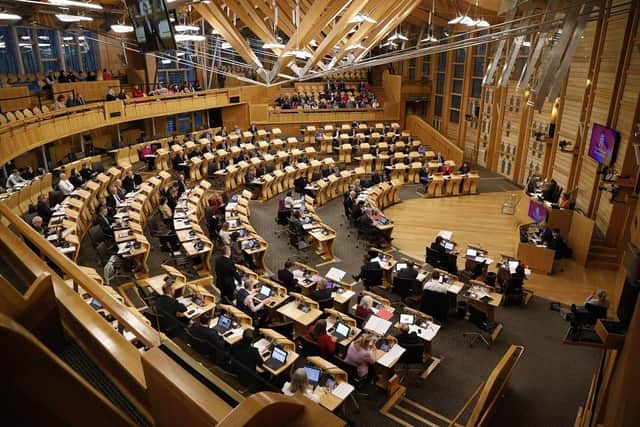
column 549, row 191
column 322, row 292
column 546, row 235
column 179, row 163
column 43, row 209
column 226, row 273
column 559, row 245
column 357, row 211
column 406, row 338
column 366, row 269
column 286, row 276
column 245, row 353
column 168, row 305
column 349, row 203
column 201, row 330
column 131, row 181
column 409, row 272
column 182, row 184
column 113, row 199
column 438, row 246
column 464, row 169
column 104, row 220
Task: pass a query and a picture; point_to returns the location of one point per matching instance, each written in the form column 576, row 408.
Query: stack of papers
column 454, row 289
column 446, row 235
column 261, row 344
column 335, row 274
column 427, row 333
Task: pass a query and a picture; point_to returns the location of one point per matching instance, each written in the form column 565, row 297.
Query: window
column 6, row 50
column 438, row 106
column 47, row 45
column 442, row 62
column 27, row 50
column 454, row 116
column 184, row 123
column 476, row 88
column 458, row 71
column 440, row 83
column 412, row 69
column 455, row 101
column 460, row 55
column 426, row 66
column 457, row 86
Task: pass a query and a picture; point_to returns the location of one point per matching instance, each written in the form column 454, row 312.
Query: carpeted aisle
column 547, row 387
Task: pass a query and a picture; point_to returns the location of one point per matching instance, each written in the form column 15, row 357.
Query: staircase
column 603, row 256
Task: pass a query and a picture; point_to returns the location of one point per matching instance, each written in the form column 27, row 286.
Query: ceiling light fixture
column 182, row 28
column 273, row 45
column 189, row 38
column 9, row 16
column 226, row 45
column 120, row 28
column 73, row 3
column 298, row 53
column 355, row 46
column 62, row 17
column 276, row 43
column 165, row 61
column 430, row 30
column 362, row 17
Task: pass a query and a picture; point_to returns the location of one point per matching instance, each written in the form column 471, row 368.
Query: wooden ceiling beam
column 216, row 17
column 338, row 31
column 284, row 23
column 251, row 19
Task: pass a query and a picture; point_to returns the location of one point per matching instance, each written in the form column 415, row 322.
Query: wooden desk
column 328, row 399
column 302, row 320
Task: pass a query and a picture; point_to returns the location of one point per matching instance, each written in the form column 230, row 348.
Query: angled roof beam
column 216, row 17
column 247, row 13
column 284, row 23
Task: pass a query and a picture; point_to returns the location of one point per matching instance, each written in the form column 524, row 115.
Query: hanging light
column 313, row 43
column 276, row 43
column 398, row 36
column 62, row 17
column 482, row 23
column 456, row 20
column 225, row 46
column 189, row 38
column 165, row 61
column 298, row 53
column 362, row 17
column 120, row 28
column 468, row 21
column 74, row 3
column 183, row 28
column 273, row 45
column 355, row 46
column 430, row 37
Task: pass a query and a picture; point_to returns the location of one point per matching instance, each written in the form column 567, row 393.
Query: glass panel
column 426, row 66
column 454, row 116
column 478, row 66
column 476, row 88
column 442, row 61
column 455, row 101
column 460, row 55
column 440, row 83
column 8, row 66
column 184, row 123
column 27, row 51
column 458, row 71
column 47, row 44
column 457, row 86
column 70, row 51
column 89, row 52
column 438, row 106
column 171, row 124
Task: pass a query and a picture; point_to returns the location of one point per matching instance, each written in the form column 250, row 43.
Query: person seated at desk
column 181, row 183
column 225, row 234
column 104, row 220
column 132, row 181
column 406, row 338
column 434, row 285
column 549, row 191
column 299, row 386
column 438, row 246
column 532, row 185
column 371, row 232
column 179, row 163
column 146, row 155
column 113, row 199
column 37, row 223
column 362, row 354
column 317, row 332
column 445, row 170
column 357, row 211
column 226, row 275
column 364, row 308
column 245, row 353
column 409, row 272
column 295, row 224
column 330, row 170
column 565, row 201
column 286, row 277
column 75, row 178
column 223, row 132
column 239, row 256
column 28, row 173
column 349, row 203
column 168, row 305
column 245, row 299
column 439, row 158
column 64, row 185
column 288, row 200
column 165, row 212
column 42, row 208
column 369, row 267
column 200, row 329
column 464, row 169
column 322, row 292
column 299, row 185
column 249, row 177
column 424, row 176
column 546, row 235
column 15, row 180
column 172, row 196
column 598, row 299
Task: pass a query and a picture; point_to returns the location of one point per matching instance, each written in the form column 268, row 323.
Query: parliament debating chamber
column 320, row 213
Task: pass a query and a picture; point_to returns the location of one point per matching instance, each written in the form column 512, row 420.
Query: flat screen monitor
column 449, row 245
column 406, row 319
column 537, row 212
column 472, row 252
column 152, row 28
column 313, row 374
column 224, row 322
column 603, row 144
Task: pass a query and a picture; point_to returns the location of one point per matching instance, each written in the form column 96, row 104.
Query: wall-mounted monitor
column 537, row 212
column 152, row 28
column 603, row 144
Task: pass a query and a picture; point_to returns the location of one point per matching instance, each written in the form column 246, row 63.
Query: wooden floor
column 477, row 219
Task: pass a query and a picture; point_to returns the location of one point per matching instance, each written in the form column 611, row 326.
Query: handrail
column 147, row 335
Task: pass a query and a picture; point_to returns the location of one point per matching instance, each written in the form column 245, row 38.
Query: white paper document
column 392, row 356
column 454, row 289
column 427, row 333
column 261, row 344
column 377, row 325
column 445, row 234
column 342, row 390
column 335, row 274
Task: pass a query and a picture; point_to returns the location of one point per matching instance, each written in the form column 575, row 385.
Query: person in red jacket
column 317, row 333
column 137, row 92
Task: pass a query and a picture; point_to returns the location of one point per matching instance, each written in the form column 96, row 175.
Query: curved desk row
column 237, row 214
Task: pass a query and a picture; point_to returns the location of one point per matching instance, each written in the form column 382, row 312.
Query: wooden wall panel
column 537, row 146
column 509, row 132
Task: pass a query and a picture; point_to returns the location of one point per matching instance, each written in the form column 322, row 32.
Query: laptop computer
column 401, row 266
column 407, row 319
column 472, row 253
column 264, row 293
column 224, row 324
column 449, row 246
column 277, row 359
column 313, row 375
column 341, row 331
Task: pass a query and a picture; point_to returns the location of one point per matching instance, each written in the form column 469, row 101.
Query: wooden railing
column 265, row 114
column 434, row 139
column 20, row 136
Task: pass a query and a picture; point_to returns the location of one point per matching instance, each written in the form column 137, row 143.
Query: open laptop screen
column 279, row 354
column 406, row 319
column 313, row 374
